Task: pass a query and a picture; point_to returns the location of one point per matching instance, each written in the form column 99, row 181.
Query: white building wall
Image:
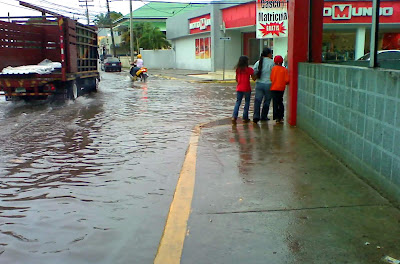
column 280, row 46
column 233, row 49
column 185, row 54
column 158, row 59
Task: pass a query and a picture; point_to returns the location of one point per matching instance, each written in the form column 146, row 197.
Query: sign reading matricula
column 272, row 19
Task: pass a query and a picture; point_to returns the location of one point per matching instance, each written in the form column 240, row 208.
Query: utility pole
column 112, row 34
column 87, row 9
column 131, row 31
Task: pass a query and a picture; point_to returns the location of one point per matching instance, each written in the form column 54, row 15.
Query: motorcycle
column 138, row 73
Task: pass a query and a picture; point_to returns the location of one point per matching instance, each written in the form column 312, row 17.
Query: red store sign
column 360, row 12
column 354, row 12
column 200, row 24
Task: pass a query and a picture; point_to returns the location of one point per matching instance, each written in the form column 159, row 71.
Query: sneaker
column 246, row 120
column 234, row 120
column 255, row 120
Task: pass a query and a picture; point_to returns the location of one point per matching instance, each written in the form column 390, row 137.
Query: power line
column 195, row 2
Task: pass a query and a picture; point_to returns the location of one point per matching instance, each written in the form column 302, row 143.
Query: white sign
column 272, row 19
column 341, row 12
column 202, row 24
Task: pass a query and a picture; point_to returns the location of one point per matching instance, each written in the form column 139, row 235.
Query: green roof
column 162, row 10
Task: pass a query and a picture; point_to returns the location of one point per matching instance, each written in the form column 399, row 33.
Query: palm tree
column 146, row 36
column 102, row 20
column 153, row 38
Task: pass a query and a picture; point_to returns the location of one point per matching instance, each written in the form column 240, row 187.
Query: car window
column 365, row 57
column 112, row 60
column 389, row 55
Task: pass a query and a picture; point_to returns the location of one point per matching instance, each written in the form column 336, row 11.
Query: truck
column 49, row 38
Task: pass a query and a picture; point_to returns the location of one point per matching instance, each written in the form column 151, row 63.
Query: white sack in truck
column 44, row 67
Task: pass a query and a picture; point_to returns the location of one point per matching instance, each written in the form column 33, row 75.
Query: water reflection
column 243, row 136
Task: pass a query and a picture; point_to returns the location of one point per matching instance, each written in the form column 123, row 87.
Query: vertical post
column 374, row 34
column 316, row 30
column 360, row 43
column 223, row 72
column 305, row 43
column 87, row 13
column 223, row 66
column 298, row 50
column 111, row 30
column 131, row 31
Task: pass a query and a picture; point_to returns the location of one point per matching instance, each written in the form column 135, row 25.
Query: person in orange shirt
column 279, row 79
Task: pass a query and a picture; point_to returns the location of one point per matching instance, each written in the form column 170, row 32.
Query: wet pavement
column 266, row 193
column 92, row 181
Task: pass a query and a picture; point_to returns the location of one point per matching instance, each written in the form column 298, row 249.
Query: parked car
column 111, row 64
column 383, row 55
column 103, row 57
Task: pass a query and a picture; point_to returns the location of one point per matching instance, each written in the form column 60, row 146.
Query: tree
column 145, row 36
column 103, row 21
column 153, row 38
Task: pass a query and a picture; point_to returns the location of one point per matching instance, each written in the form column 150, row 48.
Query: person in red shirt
column 243, row 88
column 279, row 79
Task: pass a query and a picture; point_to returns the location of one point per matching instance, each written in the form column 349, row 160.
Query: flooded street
column 91, row 181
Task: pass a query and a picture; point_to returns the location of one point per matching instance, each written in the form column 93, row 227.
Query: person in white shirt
column 139, row 61
column 262, row 73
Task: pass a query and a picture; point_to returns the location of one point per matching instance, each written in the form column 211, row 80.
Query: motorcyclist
column 139, row 61
column 134, row 69
column 137, row 71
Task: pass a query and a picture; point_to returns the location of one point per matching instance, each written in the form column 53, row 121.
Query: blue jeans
column 239, row 97
column 262, row 93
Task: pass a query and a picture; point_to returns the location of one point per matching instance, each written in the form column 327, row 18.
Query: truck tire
column 73, row 90
column 93, row 84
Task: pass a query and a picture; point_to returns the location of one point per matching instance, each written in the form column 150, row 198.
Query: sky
column 70, row 8
column 76, row 8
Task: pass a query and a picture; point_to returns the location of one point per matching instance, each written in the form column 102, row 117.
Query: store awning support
column 374, row 34
column 305, row 43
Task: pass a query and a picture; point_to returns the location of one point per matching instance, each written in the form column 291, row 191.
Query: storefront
column 202, row 37
column 347, row 28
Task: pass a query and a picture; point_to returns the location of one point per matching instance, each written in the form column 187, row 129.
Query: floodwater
column 91, row 181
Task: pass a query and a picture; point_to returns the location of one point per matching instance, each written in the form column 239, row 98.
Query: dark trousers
column 279, row 109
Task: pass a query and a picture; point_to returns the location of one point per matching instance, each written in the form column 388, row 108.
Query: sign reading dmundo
column 271, row 19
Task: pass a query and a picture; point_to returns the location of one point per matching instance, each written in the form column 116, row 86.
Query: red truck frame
column 57, row 38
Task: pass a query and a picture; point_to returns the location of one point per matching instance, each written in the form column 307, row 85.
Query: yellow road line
column 171, row 244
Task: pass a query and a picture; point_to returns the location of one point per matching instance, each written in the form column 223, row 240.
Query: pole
column 87, row 13
column 374, row 34
column 131, row 31
column 223, row 72
column 111, row 30
column 223, row 66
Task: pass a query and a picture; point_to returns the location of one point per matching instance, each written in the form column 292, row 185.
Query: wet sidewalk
column 267, row 193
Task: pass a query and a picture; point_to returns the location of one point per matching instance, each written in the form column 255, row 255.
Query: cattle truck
column 48, row 38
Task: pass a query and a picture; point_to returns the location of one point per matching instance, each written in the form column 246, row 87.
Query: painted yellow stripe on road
column 171, row 244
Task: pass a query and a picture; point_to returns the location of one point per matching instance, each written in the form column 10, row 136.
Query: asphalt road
column 91, row 180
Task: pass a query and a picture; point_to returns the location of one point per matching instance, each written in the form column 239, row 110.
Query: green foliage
column 103, row 20
column 154, row 39
column 146, row 36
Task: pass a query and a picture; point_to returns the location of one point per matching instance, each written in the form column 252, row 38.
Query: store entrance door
column 254, row 54
column 251, row 47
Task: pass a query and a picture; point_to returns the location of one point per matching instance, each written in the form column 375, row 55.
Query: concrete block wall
column 158, row 59
column 355, row 113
